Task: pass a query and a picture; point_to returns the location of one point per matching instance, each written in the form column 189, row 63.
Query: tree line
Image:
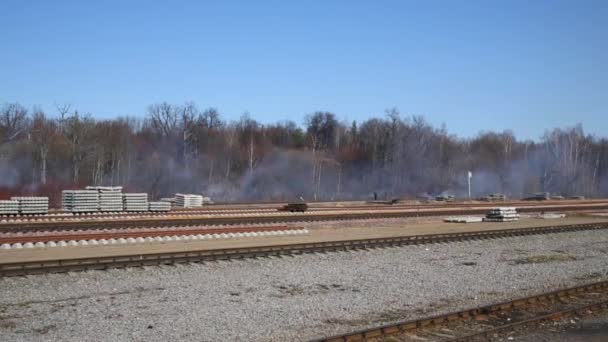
column 182, row 148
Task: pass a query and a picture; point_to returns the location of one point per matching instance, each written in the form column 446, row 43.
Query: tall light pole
column 469, row 176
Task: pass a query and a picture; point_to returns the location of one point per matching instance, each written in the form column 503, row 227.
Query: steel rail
column 80, row 264
column 550, row 316
column 411, row 326
column 269, row 219
column 17, row 219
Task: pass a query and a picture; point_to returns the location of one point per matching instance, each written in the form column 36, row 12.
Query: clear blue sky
column 473, row 65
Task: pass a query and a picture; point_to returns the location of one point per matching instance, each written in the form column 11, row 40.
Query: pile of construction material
column 445, row 198
column 463, row 219
column 160, row 206
column 32, row 205
column 110, row 197
column 550, row 216
column 170, row 200
column 80, row 201
column 495, row 198
column 135, row 201
column 9, row 207
column 503, row 214
column 188, row 201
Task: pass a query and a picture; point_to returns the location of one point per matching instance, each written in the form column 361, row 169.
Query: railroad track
column 66, row 217
column 136, row 260
column 139, row 234
column 267, row 218
column 485, row 323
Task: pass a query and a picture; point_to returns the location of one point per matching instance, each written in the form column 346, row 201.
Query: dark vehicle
column 294, row 207
column 389, row 202
column 539, row 196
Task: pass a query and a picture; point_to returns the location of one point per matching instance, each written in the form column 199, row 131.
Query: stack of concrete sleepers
column 32, row 205
column 188, row 200
column 160, row 206
column 135, row 201
column 463, row 219
column 80, row 201
column 9, row 207
column 503, row 214
column 496, row 198
column 445, row 198
column 170, row 200
column 110, row 197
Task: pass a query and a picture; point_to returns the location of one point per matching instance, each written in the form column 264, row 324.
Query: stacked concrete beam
column 80, row 201
column 9, row 207
column 188, row 200
column 170, row 200
column 496, row 198
column 503, row 214
column 463, row 219
column 104, row 188
column 135, row 201
column 32, row 204
column 445, row 198
column 110, row 197
column 160, row 206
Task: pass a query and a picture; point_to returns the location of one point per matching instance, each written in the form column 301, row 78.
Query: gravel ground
column 293, row 298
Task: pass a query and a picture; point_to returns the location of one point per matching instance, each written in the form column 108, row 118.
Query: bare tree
column 13, row 122
column 44, row 132
column 180, row 148
column 164, row 118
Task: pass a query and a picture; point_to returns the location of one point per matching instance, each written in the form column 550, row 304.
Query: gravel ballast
column 294, row 298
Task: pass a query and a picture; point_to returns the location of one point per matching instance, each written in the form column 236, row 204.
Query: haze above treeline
column 183, row 148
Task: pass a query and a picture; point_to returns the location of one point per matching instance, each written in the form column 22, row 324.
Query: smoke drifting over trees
column 181, row 148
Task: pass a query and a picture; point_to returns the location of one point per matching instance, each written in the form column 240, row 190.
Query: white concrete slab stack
column 170, row 200
column 80, row 201
column 496, row 198
column 160, row 206
column 463, row 219
column 188, row 200
column 135, row 201
column 502, row 214
column 30, row 205
column 9, row 207
column 110, row 197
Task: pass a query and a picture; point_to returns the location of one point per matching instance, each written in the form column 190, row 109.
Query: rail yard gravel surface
column 294, row 298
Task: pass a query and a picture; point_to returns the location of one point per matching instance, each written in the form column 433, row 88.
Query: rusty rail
column 417, row 325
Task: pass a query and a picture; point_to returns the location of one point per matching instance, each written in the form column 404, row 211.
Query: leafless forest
column 181, row 148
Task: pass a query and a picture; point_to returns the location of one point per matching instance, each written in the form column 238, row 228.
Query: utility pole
column 469, row 176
